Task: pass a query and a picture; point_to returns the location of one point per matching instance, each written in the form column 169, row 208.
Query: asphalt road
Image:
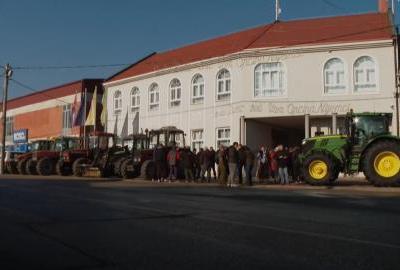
column 54, row 224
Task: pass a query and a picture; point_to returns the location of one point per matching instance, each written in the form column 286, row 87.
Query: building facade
column 276, row 83
column 48, row 113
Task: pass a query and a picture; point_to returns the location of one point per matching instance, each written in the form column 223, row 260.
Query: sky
column 43, row 33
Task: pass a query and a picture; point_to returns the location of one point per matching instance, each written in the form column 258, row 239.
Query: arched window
column 269, row 80
column 223, row 85
column 365, row 75
column 334, row 77
column 135, row 99
column 154, row 97
column 117, row 102
column 197, row 89
column 175, row 93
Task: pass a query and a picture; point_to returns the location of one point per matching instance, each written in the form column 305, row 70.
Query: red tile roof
column 341, row 29
column 56, row 92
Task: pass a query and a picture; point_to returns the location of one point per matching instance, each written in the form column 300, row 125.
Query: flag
column 79, row 117
column 91, row 119
column 74, row 110
column 103, row 116
column 135, row 124
column 124, row 131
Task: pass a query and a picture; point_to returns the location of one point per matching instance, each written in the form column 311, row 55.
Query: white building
column 275, row 83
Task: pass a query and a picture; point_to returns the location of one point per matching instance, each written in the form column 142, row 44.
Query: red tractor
column 24, row 162
column 139, row 152
column 43, row 162
column 141, row 161
column 71, row 160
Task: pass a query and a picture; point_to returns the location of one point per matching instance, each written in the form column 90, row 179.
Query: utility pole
column 7, row 76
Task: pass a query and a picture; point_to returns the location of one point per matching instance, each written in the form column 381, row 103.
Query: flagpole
column 84, row 117
column 106, row 104
column 95, row 109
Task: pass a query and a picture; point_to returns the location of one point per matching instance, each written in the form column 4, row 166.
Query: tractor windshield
column 369, row 126
column 64, row 144
column 40, row 145
column 140, row 144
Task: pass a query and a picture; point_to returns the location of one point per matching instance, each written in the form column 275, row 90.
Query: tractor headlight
column 307, row 145
column 136, row 159
column 65, row 157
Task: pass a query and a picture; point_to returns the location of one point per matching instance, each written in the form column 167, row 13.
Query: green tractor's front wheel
column 381, row 163
column 318, row 169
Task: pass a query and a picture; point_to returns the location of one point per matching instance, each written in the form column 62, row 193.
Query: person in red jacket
column 273, row 165
column 172, row 158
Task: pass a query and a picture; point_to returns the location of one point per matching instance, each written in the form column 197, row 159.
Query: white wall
column 305, row 91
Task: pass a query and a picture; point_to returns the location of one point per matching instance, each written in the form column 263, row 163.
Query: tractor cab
column 169, row 136
column 364, row 127
column 41, row 145
column 66, row 143
column 136, row 142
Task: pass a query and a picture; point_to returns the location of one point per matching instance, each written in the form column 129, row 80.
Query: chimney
column 383, row 6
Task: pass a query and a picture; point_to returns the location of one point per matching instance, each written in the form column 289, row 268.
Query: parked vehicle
column 102, row 157
column 366, row 147
column 43, row 161
column 139, row 153
column 11, row 157
column 168, row 137
column 24, row 161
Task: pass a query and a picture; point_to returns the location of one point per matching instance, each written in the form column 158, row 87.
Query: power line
column 35, row 91
column 68, row 67
column 329, row 3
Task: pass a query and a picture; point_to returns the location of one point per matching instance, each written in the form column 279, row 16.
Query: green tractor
column 367, row 146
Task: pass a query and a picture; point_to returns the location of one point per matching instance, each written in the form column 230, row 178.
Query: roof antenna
column 278, row 10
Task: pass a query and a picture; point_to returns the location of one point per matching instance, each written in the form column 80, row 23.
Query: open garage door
column 273, row 131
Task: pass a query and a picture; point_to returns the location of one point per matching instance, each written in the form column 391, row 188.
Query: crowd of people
column 235, row 164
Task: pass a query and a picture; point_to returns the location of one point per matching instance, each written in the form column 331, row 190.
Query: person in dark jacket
column 197, row 163
column 172, row 158
column 249, row 163
column 187, row 164
column 159, row 162
column 241, row 162
column 233, row 159
column 222, row 162
column 283, row 160
column 205, row 165
column 296, row 166
column 212, row 162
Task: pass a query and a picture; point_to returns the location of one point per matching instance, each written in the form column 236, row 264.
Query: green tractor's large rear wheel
column 319, row 169
column 381, row 163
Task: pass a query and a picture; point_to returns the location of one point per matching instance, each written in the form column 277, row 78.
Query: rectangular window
column 224, row 90
column 135, row 104
column 223, row 136
column 197, row 139
column 175, row 97
column 154, row 101
column 269, row 80
column 66, row 122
